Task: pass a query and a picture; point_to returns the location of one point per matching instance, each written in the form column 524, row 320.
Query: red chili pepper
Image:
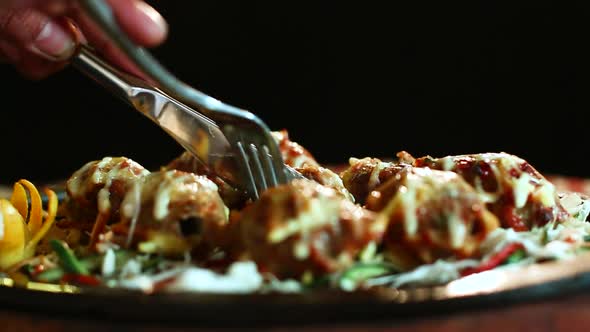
column 37, row 269
column 495, row 260
column 81, row 279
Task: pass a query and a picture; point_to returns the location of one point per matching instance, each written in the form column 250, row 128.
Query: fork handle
column 104, row 74
column 101, row 14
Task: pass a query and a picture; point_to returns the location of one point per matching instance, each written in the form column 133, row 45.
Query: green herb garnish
column 515, row 257
column 67, row 258
column 358, row 273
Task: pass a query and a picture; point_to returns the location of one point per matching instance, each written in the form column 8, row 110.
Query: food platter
column 372, row 239
column 482, row 291
column 534, row 283
column 477, row 291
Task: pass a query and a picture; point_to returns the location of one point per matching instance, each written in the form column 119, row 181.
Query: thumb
column 36, row 32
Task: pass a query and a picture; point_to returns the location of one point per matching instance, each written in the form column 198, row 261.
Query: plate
column 481, row 290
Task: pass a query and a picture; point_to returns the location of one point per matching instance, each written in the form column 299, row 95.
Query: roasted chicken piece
column 431, row 214
column 186, row 162
column 513, row 190
column 293, row 153
column 364, row 175
column 326, row 177
column 306, row 227
column 97, row 188
column 167, row 211
column 172, row 212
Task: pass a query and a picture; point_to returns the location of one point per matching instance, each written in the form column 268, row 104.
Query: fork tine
column 256, row 165
column 243, row 160
column 268, row 162
column 256, row 152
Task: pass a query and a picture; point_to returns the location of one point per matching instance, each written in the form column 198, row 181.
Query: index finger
column 139, row 21
column 142, row 22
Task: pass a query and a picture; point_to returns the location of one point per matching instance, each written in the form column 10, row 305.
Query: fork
column 255, row 151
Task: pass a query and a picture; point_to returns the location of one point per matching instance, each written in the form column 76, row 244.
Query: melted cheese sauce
column 301, row 250
column 522, row 189
column 457, row 231
column 422, row 183
column 320, row 211
column 374, row 177
column 447, row 163
column 486, row 197
column 116, row 173
column 75, row 183
column 162, row 199
column 332, row 180
column 175, row 183
column 131, row 208
column 122, row 169
column 407, row 197
column 524, row 186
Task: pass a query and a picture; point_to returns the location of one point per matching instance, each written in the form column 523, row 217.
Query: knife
column 193, row 130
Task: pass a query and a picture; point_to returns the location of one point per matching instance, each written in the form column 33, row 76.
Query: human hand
column 39, row 36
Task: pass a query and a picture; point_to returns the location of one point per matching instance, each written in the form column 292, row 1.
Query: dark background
column 361, row 79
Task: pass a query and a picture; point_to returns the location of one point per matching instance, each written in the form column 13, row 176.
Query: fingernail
column 159, row 25
column 53, row 43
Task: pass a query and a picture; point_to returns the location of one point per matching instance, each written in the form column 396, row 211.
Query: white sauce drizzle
column 172, row 182
column 97, row 176
column 332, row 180
column 162, row 198
column 522, row 190
column 301, row 250
column 353, row 161
column 104, row 195
column 132, row 209
column 522, row 187
column 546, row 194
column 485, row 196
column 374, row 177
column 109, row 263
column 457, row 231
column 75, row 181
column 321, row 211
column 300, row 160
column 407, row 196
column 448, row 163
